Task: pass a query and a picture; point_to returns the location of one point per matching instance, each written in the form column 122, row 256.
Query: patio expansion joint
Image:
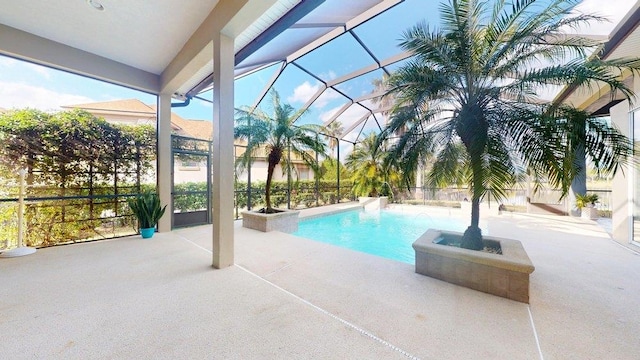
column 288, row 265
column 535, row 332
column 333, row 316
column 316, row 307
column 278, row 269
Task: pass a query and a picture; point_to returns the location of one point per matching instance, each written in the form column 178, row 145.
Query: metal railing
column 56, row 220
column 516, row 198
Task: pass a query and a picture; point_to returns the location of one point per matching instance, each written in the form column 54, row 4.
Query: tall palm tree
column 276, row 133
column 474, row 81
column 370, row 167
column 334, row 129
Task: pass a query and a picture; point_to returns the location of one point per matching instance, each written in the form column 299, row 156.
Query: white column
column 163, row 169
column 223, row 111
column 620, row 201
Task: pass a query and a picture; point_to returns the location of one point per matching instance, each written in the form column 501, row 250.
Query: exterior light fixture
column 95, row 4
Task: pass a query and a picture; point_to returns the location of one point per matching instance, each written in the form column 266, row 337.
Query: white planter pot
column 589, row 213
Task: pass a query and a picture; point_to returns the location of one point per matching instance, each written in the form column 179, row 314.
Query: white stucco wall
column 620, row 206
column 259, row 173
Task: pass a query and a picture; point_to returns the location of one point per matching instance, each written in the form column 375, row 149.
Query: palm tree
column 276, row 133
column 474, row 82
column 370, row 167
column 334, row 129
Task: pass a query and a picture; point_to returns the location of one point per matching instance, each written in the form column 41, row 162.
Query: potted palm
column 148, row 210
column 587, row 205
column 276, row 135
column 471, row 84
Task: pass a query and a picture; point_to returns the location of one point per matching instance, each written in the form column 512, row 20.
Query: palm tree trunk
column 472, row 237
column 267, row 192
column 475, row 212
column 274, row 157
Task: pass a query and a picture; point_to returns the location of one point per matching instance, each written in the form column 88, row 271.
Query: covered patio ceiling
column 623, row 42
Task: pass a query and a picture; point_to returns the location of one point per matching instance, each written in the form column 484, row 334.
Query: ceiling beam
column 38, row 50
column 339, row 112
column 290, row 18
column 355, row 125
column 268, row 85
column 247, row 69
column 197, row 52
column 624, row 28
column 343, row 28
column 315, row 25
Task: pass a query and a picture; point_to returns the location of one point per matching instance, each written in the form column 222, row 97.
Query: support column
column 163, row 161
column 620, row 194
column 223, row 111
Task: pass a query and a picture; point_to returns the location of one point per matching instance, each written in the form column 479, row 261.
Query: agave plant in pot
column 587, row 205
column 148, row 210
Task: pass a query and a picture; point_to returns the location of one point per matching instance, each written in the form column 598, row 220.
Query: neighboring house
column 135, row 112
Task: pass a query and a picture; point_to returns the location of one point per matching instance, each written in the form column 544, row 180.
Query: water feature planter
column 285, row 221
column 505, row 275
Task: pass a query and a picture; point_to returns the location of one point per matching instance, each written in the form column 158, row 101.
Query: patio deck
column 289, row 297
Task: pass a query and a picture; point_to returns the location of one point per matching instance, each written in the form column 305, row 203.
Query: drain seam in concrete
column 335, row 317
column 326, row 312
column 535, row 332
column 278, row 270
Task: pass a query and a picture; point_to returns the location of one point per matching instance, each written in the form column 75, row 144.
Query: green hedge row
column 303, row 193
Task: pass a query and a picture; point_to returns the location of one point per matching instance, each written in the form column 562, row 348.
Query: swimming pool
column 386, row 233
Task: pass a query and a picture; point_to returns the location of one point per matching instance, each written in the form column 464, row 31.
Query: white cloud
column 325, row 98
column 16, row 95
column 326, row 115
column 45, row 72
column 7, row 61
column 347, row 118
column 303, row 92
column 22, row 66
column 328, row 75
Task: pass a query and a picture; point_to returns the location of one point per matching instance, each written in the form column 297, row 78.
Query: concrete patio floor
column 289, row 297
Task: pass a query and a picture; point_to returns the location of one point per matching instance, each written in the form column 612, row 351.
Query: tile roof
column 200, row 129
column 119, row 106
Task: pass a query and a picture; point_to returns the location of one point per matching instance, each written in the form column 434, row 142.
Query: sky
column 27, row 85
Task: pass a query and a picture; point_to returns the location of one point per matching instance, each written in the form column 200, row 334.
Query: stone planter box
column 285, row 221
column 505, row 275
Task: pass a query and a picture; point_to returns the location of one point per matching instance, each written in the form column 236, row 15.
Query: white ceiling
column 154, row 46
column 143, row 34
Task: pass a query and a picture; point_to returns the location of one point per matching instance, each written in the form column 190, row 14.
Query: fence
column 516, row 198
column 302, row 195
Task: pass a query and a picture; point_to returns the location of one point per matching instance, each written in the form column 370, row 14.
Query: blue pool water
column 384, row 233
